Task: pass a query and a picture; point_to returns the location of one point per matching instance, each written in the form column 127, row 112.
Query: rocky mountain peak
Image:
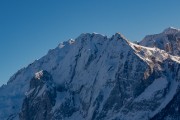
column 171, row 30
column 168, row 40
column 119, row 36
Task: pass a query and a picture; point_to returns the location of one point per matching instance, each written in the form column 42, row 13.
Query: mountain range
column 96, row 77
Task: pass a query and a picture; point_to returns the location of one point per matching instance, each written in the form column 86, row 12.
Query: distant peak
column 171, row 30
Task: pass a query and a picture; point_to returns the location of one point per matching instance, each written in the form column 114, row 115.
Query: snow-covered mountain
column 168, row 40
column 98, row 78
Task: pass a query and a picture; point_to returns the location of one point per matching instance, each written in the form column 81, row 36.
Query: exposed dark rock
column 40, row 98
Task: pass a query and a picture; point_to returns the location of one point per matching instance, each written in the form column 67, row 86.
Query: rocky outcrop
column 40, row 98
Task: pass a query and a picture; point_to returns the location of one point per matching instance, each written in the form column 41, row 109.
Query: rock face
column 96, row 78
column 171, row 111
column 39, row 99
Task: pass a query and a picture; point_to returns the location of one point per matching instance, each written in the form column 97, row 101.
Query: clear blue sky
column 29, row 28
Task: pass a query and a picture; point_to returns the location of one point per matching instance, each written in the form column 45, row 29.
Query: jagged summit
column 171, row 30
column 119, row 36
column 95, row 38
column 168, row 40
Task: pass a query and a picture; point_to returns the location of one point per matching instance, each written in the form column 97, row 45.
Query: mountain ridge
column 97, row 77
